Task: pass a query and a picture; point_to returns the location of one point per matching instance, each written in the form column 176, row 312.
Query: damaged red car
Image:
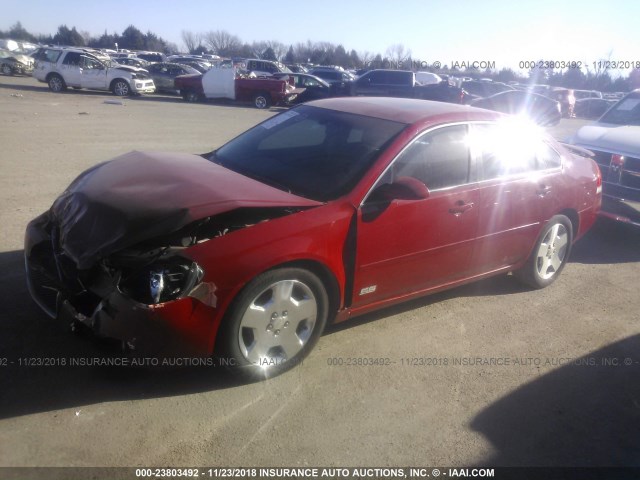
column 326, row 211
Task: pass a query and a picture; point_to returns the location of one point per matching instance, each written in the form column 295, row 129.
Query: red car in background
column 326, row 211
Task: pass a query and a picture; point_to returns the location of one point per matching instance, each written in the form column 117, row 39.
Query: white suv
column 70, row 67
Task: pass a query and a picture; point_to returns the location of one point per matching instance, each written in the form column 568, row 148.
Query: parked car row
column 62, row 67
column 542, row 110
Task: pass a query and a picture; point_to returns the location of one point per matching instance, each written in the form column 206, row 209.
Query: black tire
column 262, row 100
column 191, row 96
column 6, row 69
column 550, row 253
column 120, row 88
column 56, row 83
column 242, row 347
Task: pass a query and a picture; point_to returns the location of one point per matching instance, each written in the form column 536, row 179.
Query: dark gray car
column 164, row 74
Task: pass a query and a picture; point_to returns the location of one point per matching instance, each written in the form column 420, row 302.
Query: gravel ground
column 502, row 375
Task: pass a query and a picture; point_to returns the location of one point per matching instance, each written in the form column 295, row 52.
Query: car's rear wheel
column 6, row 69
column 262, row 100
column 550, row 253
column 274, row 322
column 120, row 88
column 56, row 83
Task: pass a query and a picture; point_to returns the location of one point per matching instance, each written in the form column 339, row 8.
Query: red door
column 405, row 246
column 518, row 186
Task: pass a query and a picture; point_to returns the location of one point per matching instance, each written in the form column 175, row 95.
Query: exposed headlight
column 162, row 281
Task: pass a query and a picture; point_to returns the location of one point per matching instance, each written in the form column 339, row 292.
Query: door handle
column 543, row 190
column 460, row 207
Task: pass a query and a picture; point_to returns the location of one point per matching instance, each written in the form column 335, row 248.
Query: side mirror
column 403, row 188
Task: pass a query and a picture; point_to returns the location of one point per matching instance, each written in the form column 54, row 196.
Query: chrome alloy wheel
column 121, row 88
column 56, row 84
column 261, row 102
column 552, row 251
column 278, row 323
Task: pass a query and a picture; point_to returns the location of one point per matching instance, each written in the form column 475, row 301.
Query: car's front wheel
column 550, row 253
column 274, row 322
column 120, row 88
column 6, row 69
column 56, row 83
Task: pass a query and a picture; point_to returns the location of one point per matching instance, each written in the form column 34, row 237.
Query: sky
column 447, row 31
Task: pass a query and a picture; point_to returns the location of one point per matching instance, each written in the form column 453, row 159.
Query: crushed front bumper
column 179, row 327
column 143, row 86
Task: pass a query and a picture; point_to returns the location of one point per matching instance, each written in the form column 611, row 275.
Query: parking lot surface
column 488, row 374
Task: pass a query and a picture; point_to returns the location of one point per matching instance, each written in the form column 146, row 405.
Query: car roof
column 405, row 110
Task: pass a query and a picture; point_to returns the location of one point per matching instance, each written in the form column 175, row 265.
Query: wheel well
column 51, row 74
column 266, row 95
column 113, row 82
column 326, row 276
column 575, row 220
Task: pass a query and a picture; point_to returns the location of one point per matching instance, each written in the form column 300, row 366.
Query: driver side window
column 439, row 159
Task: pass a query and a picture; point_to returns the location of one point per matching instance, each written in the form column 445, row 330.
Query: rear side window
column 377, row 78
column 329, row 75
column 72, row 58
column 504, row 150
column 399, row 78
column 548, row 157
column 47, row 55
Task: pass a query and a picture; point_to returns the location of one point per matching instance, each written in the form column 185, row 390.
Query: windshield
column 625, row 112
column 313, row 152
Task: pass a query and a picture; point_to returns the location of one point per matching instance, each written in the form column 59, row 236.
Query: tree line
column 225, row 44
column 131, row 39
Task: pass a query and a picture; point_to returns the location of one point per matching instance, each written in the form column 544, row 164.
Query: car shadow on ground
column 28, row 336
column 42, row 87
column 499, row 285
column 583, row 413
column 31, row 345
column 608, row 242
column 36, row 87
column 155, row 97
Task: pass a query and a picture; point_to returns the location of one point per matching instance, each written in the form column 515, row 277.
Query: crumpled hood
column 621, row 139
column 142, row 195
column 129, row 68
column 24, row 59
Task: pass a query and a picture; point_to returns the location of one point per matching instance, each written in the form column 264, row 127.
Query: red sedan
column 326, row 211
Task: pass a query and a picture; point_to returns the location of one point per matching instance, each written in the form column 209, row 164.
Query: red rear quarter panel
column 583, row 174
